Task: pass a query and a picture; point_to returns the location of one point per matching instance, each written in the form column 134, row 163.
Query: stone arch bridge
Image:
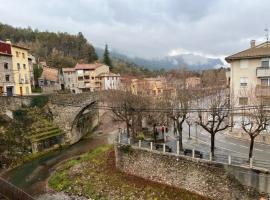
column 66, row 110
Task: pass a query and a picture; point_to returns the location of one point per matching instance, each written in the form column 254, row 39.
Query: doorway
column 9, row 91
column 21, row 91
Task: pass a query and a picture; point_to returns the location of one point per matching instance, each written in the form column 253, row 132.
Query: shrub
column 39, row 101
column 126, row 149
column 140, row 136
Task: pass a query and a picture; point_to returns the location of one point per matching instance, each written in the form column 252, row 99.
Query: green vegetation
column 57, row 49
column 39, row 101
column 106, row 57
column 29, row 125
column 94, row 176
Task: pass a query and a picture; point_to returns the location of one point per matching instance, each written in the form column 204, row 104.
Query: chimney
column 252, row 43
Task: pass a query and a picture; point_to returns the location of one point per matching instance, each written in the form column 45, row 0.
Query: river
column 32, row 176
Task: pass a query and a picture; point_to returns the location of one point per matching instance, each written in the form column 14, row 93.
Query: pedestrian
column 167, row 130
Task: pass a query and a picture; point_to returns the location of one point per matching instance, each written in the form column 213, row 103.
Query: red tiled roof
column 87, row 66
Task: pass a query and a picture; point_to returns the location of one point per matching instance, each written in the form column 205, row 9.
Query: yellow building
column 21, row 70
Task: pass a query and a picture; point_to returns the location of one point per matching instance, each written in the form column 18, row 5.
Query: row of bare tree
column 212, row 110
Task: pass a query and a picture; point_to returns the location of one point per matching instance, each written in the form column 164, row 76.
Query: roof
column 50, row 74
column 259, row 51
column 68, row 69
column 5, row 48
column 20, row 47
column 87, row 66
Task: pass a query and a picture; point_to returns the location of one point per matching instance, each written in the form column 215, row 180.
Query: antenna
column 266, row 33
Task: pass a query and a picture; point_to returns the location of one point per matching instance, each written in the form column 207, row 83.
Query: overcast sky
column 148, row 28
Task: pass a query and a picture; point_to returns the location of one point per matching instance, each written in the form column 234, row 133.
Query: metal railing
column 13, row 192
column 228, row 159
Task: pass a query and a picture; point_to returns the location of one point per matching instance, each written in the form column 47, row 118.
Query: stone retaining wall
column 200, row 176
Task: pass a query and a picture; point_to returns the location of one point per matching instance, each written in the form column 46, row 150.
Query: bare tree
column 214, row 115
column 178, row 104
column 254, row 121
column 128, row 108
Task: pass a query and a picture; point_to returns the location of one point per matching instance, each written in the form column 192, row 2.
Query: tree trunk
column 251, row 147
column 213, row 145
column 155, row 133
column 180, row 130
column 189, row 131
column 127, row 124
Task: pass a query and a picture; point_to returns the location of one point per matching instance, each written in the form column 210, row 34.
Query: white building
column 110, row 81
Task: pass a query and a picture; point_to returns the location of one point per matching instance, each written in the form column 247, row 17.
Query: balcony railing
column 263, row 72
column 262, row 91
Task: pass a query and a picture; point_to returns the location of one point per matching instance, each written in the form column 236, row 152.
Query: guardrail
column 12, row 192
column 218, row 158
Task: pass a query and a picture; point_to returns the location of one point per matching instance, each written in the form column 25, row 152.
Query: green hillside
column 58, row 49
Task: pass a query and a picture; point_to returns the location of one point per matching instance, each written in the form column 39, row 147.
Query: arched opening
column 85, row 121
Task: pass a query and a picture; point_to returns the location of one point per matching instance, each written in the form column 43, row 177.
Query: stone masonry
column 199, row 176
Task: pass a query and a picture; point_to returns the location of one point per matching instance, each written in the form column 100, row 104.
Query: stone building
column 49, row 80
column 7, row 84
column 69, row 79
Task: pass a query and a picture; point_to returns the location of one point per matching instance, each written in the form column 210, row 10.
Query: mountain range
column 191, row 61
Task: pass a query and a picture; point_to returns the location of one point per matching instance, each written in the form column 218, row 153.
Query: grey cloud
column 149, row 28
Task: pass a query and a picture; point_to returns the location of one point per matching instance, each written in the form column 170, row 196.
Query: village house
column 69, row 79
column 193, row 82
column 21, row 69
column 249, row 80
column 89, row 78
column 49, row 80
column 250, row 73
column 110, row 81
column 7, row 83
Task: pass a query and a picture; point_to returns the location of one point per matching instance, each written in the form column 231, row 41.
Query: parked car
column 188, row 152
column 160, row 147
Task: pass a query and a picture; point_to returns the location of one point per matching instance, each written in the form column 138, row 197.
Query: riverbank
column 93, row 175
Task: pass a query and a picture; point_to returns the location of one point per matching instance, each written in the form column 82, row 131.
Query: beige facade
column 84, row 77
column 250, row 74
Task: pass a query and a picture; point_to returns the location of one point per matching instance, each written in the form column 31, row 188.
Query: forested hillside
column 58, row 49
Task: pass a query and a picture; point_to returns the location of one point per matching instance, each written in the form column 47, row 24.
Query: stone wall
column 200, row 176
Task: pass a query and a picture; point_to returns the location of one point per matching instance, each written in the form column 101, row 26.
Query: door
column 1, row 91
column 9, row 91
column 21, row 91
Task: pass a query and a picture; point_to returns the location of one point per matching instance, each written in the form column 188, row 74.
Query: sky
column 149, row 28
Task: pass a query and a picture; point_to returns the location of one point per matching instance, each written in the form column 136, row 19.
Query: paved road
column 225, row 146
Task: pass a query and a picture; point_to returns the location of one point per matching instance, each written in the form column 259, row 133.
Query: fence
column 12, row 192
column 218, row 158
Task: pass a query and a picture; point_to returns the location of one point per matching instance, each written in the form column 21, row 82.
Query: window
column 243, row 101
column 86, row 77
column 18, row 66
column 6, row 65
column 80, row 78
column 17, row 54
column 244, row 64
column 265, row 63
column 7, row 78
column 1, row 90
column 265, row 81
column 243, row 81
column 24, row 66
column 23, row 55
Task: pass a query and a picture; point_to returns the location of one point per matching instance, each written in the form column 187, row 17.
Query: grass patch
column 94, row 176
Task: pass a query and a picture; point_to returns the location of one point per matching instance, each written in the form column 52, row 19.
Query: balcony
column 263, row 72
column 262, row 91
